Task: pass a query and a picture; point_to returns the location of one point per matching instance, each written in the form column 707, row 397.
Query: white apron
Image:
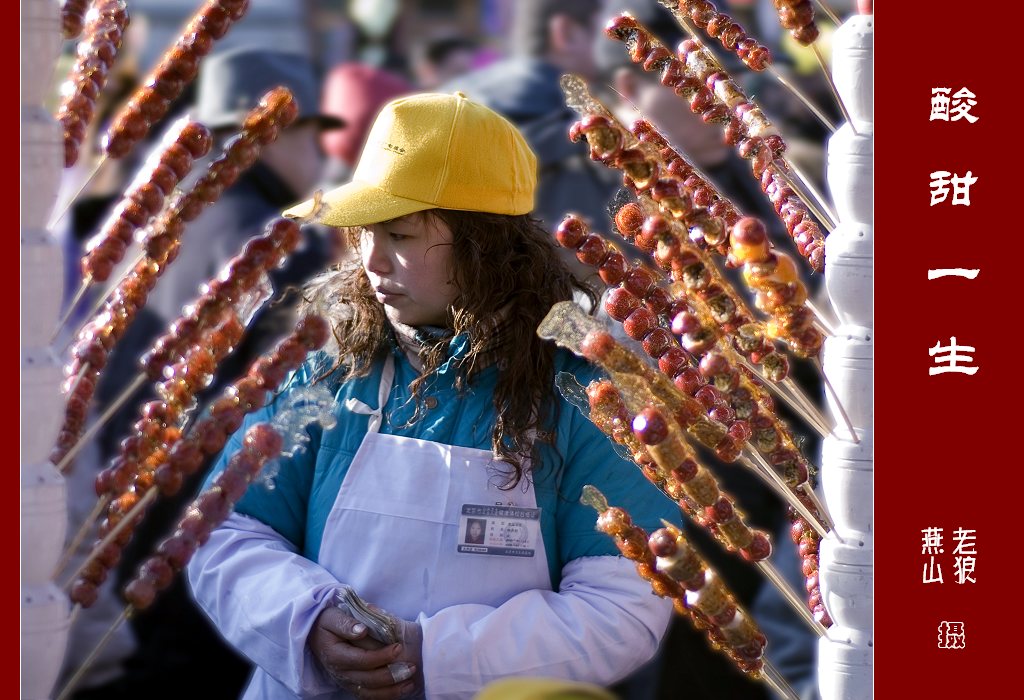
column 401, row 518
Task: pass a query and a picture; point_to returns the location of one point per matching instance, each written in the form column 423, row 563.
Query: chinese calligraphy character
column 955, row 109
column 960, row 107
column 949, row 355
column 952, row 635
column 940, row 104
column 963, row 569
column 963, row 565
column 965, row 541
column 953, row 272
column 941, row 181
column 931, row 544
column 932, row 572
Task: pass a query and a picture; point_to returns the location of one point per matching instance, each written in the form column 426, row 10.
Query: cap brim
column 356, row 204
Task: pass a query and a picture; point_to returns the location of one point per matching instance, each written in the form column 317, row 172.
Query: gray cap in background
column 232, row 82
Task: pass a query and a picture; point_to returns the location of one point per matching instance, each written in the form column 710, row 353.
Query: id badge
column 506, row 531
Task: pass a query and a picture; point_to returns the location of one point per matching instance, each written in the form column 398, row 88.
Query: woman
column 447, row 412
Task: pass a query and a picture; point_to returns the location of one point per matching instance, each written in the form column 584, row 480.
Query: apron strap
column 387, row 378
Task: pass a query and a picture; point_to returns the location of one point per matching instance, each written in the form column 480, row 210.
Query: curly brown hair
column 500, row 263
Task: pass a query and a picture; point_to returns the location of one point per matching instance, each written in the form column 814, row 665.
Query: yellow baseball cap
column 430, row 151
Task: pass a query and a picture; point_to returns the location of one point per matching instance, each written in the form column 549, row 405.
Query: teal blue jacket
column 305, row 487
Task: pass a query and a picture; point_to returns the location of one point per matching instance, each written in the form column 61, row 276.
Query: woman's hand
column 362, row 665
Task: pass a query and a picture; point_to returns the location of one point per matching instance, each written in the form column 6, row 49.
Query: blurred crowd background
column 507, row 53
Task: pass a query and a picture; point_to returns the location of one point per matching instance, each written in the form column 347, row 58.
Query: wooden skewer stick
column 828, row 11
column 65, row 692
column 810, row 416
column 822, row 510
column 805, row 182
column 56, row 219
column 101, row 421
column 832, row 87
column 798, row 394
column 791, row 498
column 773, row 575
column 839, row 404
column 819, row 317
column 810, row 201
column 82, row 289
column 73, row 384
column 777, row 682
column 75, row 610
column 826, row 122
column 687, row 24
column 110, row 289
column 148, row 498
column 83, row 530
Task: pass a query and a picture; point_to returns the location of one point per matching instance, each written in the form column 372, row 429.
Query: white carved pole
column 44, row 607
column 845, row 658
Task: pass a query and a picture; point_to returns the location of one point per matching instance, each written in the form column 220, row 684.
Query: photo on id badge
column 498, row 530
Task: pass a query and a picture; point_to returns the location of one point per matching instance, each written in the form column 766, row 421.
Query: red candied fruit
column 673, row 361
column 312, row 331
column 639, row 323
column 196, row 138
column 662, row 543
column 629, row 219
column 597, row 345
column 613, row 269
column 658, row 342
column 592, row 251
column 759, row 549
column 650, row 426
column 263, row 438
column 140, row 593
column 285, row 233
column 571, row 232
column 620, row 304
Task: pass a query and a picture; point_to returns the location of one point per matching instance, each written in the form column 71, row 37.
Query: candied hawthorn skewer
column 176, row 69
column 104, row 27
column 657, row 236
column 696, row 76
column 144, row 199
column 162, row 238
column 238, row 285
column 721, row 26
column 781, row 294
column 740, row 637
column 568, row 326
column 632, row 541
column 638, row 303
column 275, row 111
column 797, row 16
column 635, row 304
column 72, row 18
column 261, row 444
column 804, row 231
column 674, row 248
column 705, row 15
column 207, row 438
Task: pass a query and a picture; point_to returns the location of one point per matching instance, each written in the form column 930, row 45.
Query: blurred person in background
column 437, row 60
column 550, row 37
column 353, row 92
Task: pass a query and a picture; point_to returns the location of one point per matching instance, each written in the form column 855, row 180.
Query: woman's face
column 475, row 531
column 408, row 263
